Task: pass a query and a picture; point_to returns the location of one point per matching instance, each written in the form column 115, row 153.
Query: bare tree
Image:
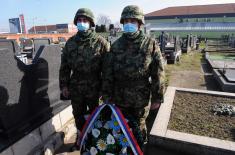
column 103, row 20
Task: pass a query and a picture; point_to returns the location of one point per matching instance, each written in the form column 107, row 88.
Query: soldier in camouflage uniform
column 82, row 64
column 138, row 71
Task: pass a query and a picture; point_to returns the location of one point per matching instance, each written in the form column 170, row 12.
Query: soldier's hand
column 65, row 92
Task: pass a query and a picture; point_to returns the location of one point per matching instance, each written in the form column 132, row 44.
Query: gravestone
column 230, row 75
column 39, row 42
column 10, row 45
column 29, row 94
column 46, row 78
column 112, row 39
column 177, row 43
column 194, row 42
column 191, row 41
column 14, row 101
column 27, row 47
column 188, row 43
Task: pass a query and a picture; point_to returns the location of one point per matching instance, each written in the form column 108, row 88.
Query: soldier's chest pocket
column 120, row 56
column 95, row 60
column 135, row 60
column 140, row 62
column 76, row 58
column 93, row 54
column 119, row 60
column 146, row 58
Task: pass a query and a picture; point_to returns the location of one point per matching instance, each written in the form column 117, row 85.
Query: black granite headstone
column 27, row 47
column 191, row 41
column 29, row 94
column 14, row 101
column 46, row 78
column 10, row 45
column 39, row 42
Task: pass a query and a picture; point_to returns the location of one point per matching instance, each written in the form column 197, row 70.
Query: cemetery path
column 187, row 79
column 192, row 72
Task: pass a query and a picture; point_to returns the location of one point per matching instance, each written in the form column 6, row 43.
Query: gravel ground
column 192, row 114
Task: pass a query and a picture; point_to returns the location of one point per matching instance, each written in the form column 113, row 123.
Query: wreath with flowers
column 106, row 132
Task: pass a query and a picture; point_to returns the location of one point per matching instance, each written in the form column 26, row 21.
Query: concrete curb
column 184, row 142
column 46, row 138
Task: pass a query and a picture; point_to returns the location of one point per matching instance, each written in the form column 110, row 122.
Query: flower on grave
column 107, row 125
column 114, row 124
column 95, row 133
column 113, row 117
column 123, row 141
column 124, row 151
column 110, row 139
column 93, row 151
column 101, row 144
column 115, row 134
column 98, row 124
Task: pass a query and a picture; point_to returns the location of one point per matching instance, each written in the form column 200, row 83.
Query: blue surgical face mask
column 81, row 26
column 130, row 28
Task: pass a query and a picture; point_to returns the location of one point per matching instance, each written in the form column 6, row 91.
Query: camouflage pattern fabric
column 132, row 11
column 138, row 73
column 84, row 12
column 82, row 66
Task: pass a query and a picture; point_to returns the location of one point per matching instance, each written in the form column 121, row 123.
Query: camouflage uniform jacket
column 137, row 71
column 83, row 64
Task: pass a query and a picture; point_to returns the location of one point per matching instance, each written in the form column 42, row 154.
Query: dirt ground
column 187, row 79
column 192, row 113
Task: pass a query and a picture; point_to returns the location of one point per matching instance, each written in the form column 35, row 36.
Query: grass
column 202, row 45
column 190, row 61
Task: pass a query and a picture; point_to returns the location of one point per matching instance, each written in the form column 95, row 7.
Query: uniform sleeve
column 65, row 69
column 157, row 74
column 107, row 72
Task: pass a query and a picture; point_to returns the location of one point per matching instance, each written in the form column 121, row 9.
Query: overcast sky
column 62, row 11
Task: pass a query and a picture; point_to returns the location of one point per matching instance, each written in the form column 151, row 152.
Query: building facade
column 199, row 18
column 58, row 28
column 22, row 24
column 14, row 24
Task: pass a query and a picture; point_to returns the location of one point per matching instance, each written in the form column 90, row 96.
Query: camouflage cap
column 132, row 11
column 84, row 12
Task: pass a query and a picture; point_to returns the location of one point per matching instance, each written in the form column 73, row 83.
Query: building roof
column 196, row 26
column 194, row 10
column 43, row 28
